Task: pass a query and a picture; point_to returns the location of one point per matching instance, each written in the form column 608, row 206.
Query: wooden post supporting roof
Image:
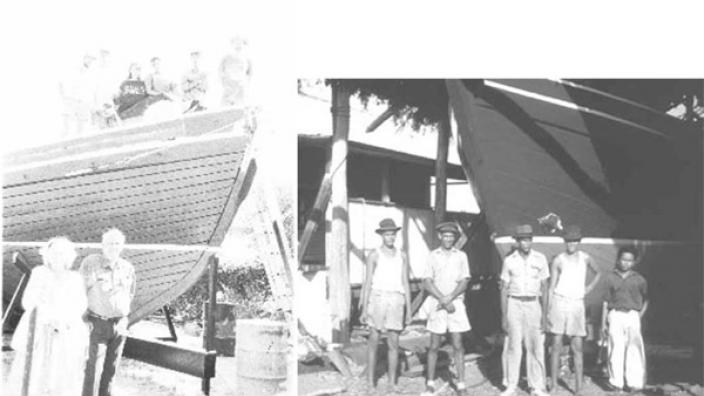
column 441, row 169
column 337, row 236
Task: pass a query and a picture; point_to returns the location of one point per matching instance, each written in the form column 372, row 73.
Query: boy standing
column 385, row 291
column 566, row 302
column 446, row 278
column 626, row 302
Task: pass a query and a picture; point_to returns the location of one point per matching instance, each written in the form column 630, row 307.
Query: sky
column 46, row 40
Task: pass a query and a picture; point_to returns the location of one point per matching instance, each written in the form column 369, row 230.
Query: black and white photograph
column 148, row 221
column 500, row 237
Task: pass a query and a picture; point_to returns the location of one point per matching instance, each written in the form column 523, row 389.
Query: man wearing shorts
column 385, row 292
column 566, row 302
column 446, row 278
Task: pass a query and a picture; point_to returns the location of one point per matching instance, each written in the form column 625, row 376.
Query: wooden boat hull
column 172, row 187
column 625, row 173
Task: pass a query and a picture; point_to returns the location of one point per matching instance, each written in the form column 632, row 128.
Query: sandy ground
column 671, row 372
column 135, row 378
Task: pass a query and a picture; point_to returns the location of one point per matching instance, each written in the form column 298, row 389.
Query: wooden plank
column 137, row 197
column 198, row 124
column 160, row 153
column 79, row 181
column 317, row 216
column 155, row 183
column 195, row 362
column 165, row 232
column 441, row 169
column 142, row 220
column 337, row 240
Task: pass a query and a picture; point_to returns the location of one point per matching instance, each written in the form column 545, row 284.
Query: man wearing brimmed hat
column 523, row 295
column 446, row 278
column 566, row 302
column 385, row 292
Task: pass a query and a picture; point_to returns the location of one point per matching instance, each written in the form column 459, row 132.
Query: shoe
column 539, row 392
column 612, row 388
column 509, row 391
column 430, row 389
column 462, row 389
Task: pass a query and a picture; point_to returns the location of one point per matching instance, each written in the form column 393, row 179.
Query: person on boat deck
column 194, row 85
column 235, row 73
column 626, row 303
column 104, row 113
column 55, row 298
column 385, row 291
column 133, row 98
column 78, row 97
column 566, row 314
column 446, row 278
column 523, row 295
column 158, row 85
column 110, row 285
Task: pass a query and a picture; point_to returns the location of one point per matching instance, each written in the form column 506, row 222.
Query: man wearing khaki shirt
column 523, row 294
column 110, row 285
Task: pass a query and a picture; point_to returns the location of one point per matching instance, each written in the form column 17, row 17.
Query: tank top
column 388, row 272
column 573, row 275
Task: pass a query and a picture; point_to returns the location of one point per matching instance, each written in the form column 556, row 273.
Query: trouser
column 107, row 339
column 626, row 350
column 524, row 319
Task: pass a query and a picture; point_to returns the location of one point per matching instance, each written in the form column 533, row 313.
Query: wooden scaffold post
column 337, row 235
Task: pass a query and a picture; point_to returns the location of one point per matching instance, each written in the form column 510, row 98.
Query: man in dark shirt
column 626, row 302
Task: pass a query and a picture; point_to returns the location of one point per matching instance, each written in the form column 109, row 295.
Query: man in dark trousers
column 110, row 283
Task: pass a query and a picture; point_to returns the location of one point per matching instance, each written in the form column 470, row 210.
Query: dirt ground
column 672, row 371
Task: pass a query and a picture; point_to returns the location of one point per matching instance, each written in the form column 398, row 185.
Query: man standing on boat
column 566, row 303
column 523, row 295
column 446, row 279
column 110, row 284
column 626, row 303
column 385, row 291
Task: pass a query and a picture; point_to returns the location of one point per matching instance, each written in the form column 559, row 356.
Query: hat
column 387, row 225
column 572, row 233
column 448, row 226
column 523, row 231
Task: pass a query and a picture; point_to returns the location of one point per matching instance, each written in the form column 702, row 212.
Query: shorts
column 440, row 321
column 566, row 316
column 385, row 310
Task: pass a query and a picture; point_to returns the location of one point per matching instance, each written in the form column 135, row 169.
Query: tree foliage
column 418, row 101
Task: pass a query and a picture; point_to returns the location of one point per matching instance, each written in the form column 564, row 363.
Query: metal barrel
column 261, row 352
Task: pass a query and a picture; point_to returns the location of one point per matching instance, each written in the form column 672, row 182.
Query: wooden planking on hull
column 165, row 188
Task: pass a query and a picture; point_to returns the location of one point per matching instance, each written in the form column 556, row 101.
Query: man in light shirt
column 446, row 279
column 523, row 295
column 110, row 283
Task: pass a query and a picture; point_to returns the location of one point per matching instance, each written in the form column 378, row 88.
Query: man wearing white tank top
column 566, row 303
column 385, row 291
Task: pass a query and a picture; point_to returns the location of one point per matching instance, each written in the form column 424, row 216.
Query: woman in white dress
column 51, row 338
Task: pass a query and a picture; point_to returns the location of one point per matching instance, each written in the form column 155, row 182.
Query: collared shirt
column 524, row 275
column 446, row 269
column 110, row 289
column 627, row 293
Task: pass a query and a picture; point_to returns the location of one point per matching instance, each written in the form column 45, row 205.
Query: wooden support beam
column 170, row 324
column 209, row 330
column 21, row 263
column 337, row 237
column 195, row 362
column 316, row 216
column 441, row 169
column 386, row 181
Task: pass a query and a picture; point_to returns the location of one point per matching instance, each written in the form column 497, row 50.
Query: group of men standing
column 536, row 297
